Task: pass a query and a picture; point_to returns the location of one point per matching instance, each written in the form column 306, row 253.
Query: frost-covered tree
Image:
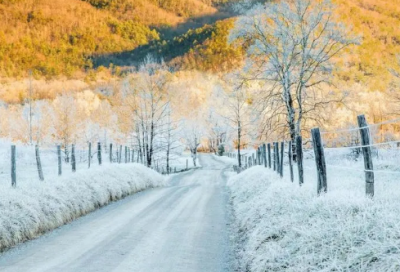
column 217, row 130
column 66, row 118
column 291, row 45
column 192, row 134
column 147, row 96
column 237, row 109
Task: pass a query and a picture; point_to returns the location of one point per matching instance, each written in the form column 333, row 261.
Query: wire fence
column 368, row 151
column 22, row 164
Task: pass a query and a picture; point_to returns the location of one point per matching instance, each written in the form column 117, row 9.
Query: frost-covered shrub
column 221, row 150
column 284, row 227
column 32, row 209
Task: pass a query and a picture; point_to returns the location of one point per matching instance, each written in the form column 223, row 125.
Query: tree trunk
column 238, row 146
column 291, row 118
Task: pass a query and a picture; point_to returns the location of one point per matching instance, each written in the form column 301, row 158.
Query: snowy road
column 183, row 227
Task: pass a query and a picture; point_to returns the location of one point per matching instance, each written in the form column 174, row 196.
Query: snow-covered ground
column 33, row 208
column 178, row 161
column 284, row 227
column 182, row 227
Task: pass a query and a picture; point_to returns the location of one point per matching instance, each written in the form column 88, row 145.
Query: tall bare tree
column 148, row 97
column 237, row 109
column 291, row 45
column 191, row 135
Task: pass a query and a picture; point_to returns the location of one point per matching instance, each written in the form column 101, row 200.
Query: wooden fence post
column 281, row 159
column 277, row 156
column 117, row 159
column 99, row 152
column 274, row 156
column 73, row 160
column 264, row 152
column 187, row 164
column 319, row 160
column 258, row 156
column 269, row 155
column 368, row 165
column 120, row 154
column 13, row 166
column 89, row 154
column 126, row 154
column 299, row 158
column 111, row 154
column 39, row 163
column 59, row 160
column 290, row 150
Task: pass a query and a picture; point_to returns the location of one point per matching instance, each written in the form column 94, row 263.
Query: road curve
column 179, row 228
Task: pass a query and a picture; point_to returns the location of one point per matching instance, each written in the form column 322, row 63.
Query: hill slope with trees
column 60, row 37
column 76, row 38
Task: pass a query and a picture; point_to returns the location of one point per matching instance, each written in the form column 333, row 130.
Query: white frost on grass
column 32, row 209
column 284, row 227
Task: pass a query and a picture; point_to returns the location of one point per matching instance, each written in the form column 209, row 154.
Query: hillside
column 77, row 38
column 204, row 48
column 57, row 37
column 378, row 22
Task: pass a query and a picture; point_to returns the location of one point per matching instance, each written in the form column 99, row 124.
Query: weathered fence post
column 290, row 150
column 117, row 159
column 299, row 158
column 59, row 160
column 133, row 155
column 120, row 154
column 258, row 156
column 13, row 166
column 368, row 165
column 187, row 164
column 274, row 156
column 264, row 152
column 89, row 154
column 269, row 155
column 99, row 152
column 126, row 154
column 111, row 154
column 73, row 160
column 319, row 160
column 281, row 159
column 39, row 163
column 277, row 157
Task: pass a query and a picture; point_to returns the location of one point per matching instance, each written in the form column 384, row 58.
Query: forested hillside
column 58, row 37
column 378, row 22
column 79, row 37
